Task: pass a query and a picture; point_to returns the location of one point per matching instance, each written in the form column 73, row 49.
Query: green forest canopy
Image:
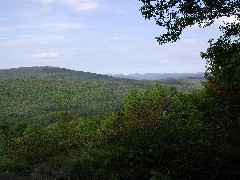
column 158, row 133
column 47, row 94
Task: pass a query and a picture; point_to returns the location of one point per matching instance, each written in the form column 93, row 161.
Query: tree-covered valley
column 62, row 124
column 48, row 112
column 46, row 94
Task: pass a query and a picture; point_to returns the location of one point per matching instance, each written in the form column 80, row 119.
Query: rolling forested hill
column 48, row 71
column 47, row 94
column 90, row 126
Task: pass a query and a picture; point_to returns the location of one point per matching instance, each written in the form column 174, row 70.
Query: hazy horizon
column 109, row 74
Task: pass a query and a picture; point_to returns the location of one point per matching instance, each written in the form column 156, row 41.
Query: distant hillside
column 157, row 76
column 48, row 71
column 47, row 94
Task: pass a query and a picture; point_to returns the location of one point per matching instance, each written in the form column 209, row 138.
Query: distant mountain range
column 56, row 71
column 47, row 94
column 158, row 76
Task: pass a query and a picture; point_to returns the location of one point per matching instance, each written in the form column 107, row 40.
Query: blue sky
column 100, row 36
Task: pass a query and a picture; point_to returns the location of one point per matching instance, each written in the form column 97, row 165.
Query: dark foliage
column 176, row 15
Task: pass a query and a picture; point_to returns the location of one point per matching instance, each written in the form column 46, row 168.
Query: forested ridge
column 48, row 71
column 47, row 112
column 47, row 94
column 70, row 127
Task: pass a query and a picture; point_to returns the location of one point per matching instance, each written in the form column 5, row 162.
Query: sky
column 98, row 36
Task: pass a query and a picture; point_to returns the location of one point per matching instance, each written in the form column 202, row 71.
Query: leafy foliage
column 223, row 84
column 219, row 102
column 158, row 133
column 177, row 144
column 176, row 15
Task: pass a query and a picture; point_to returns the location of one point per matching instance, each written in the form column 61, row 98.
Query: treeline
column 48, row 71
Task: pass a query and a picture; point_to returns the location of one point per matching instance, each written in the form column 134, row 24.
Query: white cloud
column 47, row 55
column 63, row 26
column 225, row 19
column 116, row 38
column 79, row 5
column 44, row 1
column 217, row 22
column 4, row 29
column 49, row 26
column 44, row 38
column 50, row 57
column 31, row 40
column 2, row 38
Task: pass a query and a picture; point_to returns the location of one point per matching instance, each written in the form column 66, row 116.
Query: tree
column 223, row 79
column 176, row 15
column 221, row 98
column 223, row 55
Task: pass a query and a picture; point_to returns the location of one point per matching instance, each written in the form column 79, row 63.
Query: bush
column 177, row 144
